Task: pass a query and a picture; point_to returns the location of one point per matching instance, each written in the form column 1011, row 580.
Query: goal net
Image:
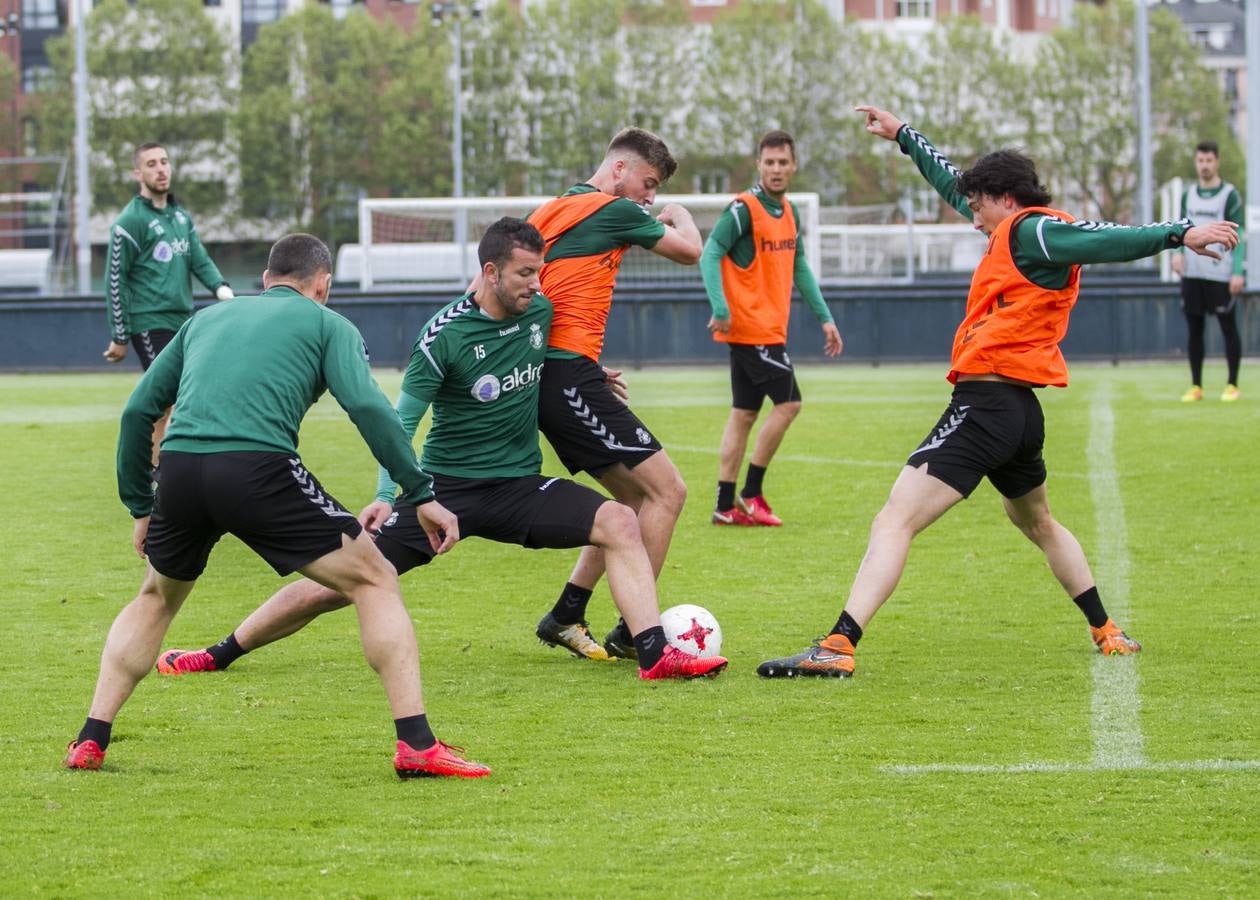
column 433, row 240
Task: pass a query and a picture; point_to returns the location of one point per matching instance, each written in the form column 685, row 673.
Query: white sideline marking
column 1191, row 765
column 1117, row 703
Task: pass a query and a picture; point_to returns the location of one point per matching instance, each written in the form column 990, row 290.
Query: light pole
column 1145, row 205
column 455, row 12
column 83, row 190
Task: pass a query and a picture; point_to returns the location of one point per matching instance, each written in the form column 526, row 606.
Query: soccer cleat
column 830, row 657
column 434, row 762
column 619, row 642
column 674, row 663
column 1195, row 393
column 574, row 638
column 1230, row 394
column 732, row 516
column 759, row 510
column 1111, row 641
column 184, row 662
column 84, row 755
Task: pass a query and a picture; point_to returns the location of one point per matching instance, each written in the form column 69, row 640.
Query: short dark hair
column 777, row 138
column 648, row 147
column 1208, row 147
column 299, row 257
column 135, row 156
column 506, row 235
column 1005, row 172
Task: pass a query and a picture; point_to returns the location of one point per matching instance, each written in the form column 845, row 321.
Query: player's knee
column 744, row 418
column 788, row 410
column 616, row 525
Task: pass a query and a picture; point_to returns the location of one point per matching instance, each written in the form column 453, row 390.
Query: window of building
column 35, row 77
column 260, row 11
column 916, row 9
column 40, row 14
column 340, row 7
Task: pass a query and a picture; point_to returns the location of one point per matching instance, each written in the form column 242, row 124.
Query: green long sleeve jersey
column 481, row 376
column 732, row 236
column 242, row 374
column 1045, row 248
column 153, row 254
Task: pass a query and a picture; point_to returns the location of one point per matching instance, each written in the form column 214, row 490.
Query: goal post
column 412, row 241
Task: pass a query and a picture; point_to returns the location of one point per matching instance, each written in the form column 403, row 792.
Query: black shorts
column 533, row 511
column 990, row 428
column 759, row 371
column 1201, row 297
column 149, row 344
column 589, row 427
column 268, row 500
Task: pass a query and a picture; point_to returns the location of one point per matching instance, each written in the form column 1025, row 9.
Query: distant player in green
column 1211, row 287
column 751, row 260
column 153, row 252
column 478, row 364
column 242, row 376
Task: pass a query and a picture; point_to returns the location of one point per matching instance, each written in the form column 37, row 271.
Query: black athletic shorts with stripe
column 759, row 371
column 990, row 429
column 589, row 427
column 1202, row 297
column 268, row 500
column 149, row 344
column 533, row 511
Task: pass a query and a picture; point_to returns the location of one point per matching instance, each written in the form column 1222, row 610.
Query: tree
column 160, row 70
column 1083, row 125
column 332, row 109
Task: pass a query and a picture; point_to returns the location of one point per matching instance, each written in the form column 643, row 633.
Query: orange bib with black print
column 1013, row 327
column 760, row 297
column 579, row 287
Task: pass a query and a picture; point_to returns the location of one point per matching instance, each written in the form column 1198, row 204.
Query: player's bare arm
column 722, row 325
column 880, row 122
column 681, row 242
column 138, row 533
column 115, row 352
column 1200, row 237
column 833, row 345
column 617, row 384
column 373, row 516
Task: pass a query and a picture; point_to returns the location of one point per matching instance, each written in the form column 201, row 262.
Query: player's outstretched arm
column 1200, row 238
column 681, row 242
column 880, row 122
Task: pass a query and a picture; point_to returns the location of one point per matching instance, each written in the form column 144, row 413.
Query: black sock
column 226, row 652
column 1091, row 605
column 650, row 645
column 571, row 607
column 415, row 731
column 726, row 495
column 752, row 481
column 96, row 730
column 849, row 627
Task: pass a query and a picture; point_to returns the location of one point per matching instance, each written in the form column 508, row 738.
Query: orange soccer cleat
column 829, row 657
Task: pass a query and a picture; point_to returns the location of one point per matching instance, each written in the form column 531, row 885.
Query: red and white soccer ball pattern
column 692, row 629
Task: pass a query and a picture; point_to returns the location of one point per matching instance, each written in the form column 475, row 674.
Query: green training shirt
column 1045, row 248
column 242, row 374
column 615, row 225
column 732, row 236
column 481, row 378
column 152, row 254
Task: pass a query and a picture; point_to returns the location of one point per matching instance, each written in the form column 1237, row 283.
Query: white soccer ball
column 692, row 629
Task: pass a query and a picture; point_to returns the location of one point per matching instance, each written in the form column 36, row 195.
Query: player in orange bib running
column 751, row 260
column 581, row 409
column 1007, row 345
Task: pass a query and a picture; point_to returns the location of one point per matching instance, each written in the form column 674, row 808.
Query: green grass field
column 982, row 749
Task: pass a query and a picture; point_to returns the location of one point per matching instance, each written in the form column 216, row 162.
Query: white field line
column 1117, row 702
column 1192, row 765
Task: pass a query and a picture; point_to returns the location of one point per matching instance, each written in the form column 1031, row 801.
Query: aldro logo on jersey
column 488, row 387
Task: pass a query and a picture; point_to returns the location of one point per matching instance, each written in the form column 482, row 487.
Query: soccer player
column 750, row 262
column 477, row 363
column 1210, row 287
column 154, row 250
column 242, row 376
column 587, row 232
column 1007, row 345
